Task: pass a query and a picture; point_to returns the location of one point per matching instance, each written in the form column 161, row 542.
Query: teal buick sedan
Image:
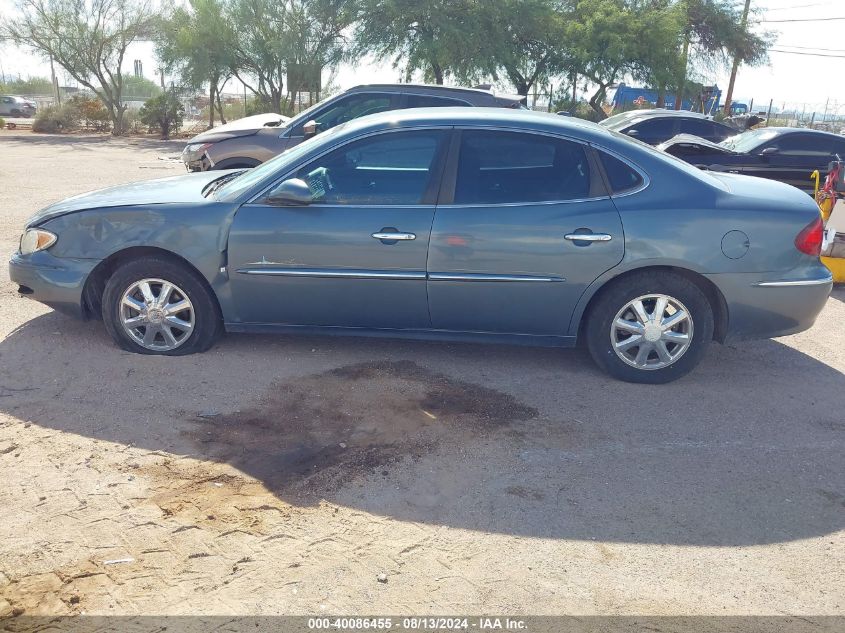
column 450, row 224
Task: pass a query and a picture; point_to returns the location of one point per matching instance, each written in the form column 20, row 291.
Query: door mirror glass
column 310, row 129
column 769, row 151
column 293, row 192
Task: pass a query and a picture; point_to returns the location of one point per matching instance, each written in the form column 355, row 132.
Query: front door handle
column 588, row 237
column 394, row 236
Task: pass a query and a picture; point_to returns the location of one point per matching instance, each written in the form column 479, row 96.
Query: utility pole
column 729, row 96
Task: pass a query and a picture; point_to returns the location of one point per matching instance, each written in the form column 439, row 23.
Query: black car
column 657, row 126
column 785, row 154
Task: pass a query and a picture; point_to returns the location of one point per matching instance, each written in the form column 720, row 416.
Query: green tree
column 137, row 88
column 608, row 39
column 524, row 41
column 712, row 33
column 163, row 112
column 437, row 37
column 197, row 42
column 31, row 86
column 88, row 38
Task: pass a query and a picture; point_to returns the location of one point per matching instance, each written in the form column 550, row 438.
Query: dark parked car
column 453, row 224
column 17, row 107
column 656, row 126
column 250, row 146
column 788, row 155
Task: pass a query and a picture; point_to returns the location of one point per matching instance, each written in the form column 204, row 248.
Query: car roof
column 804, row 130
column 480, row 117
column 479, row 95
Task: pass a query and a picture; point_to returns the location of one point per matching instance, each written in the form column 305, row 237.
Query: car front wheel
column 155, row 305
column 651, row 327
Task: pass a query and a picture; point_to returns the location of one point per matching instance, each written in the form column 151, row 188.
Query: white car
column 17, row 107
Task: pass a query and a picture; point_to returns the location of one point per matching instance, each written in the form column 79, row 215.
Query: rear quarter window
column 620, row 176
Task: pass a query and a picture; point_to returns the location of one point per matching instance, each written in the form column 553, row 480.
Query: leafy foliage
column 163, row 113
column 88, row 38
column 55, row 119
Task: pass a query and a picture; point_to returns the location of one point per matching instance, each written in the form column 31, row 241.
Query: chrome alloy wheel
column 651, row 332
column 156, row 314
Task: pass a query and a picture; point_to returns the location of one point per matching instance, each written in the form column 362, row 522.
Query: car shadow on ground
column 532, row 442
column 93, row 141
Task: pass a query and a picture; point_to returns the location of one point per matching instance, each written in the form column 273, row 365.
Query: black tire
column 617, row 294
column 208, row 324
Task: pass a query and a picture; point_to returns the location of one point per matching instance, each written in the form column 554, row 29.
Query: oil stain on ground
column 309, row 436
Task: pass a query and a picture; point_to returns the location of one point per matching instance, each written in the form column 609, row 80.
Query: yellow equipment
column 826, row 198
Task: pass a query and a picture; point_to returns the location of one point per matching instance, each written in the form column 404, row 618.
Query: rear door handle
column 394, row 236
column 588, row 237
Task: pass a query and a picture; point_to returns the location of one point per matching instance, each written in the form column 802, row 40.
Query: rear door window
column 511, row 167
column 705, row 129
column 654, row 131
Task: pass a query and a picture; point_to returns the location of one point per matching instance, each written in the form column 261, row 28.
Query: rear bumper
column 767, row 306
column 55, row 282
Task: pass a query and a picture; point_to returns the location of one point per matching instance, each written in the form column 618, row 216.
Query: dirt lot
column 284, row 475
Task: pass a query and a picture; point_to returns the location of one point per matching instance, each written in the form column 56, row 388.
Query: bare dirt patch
column 309, row 437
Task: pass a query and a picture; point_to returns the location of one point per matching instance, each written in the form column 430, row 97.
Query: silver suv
column 17, row 107
column 248, row 147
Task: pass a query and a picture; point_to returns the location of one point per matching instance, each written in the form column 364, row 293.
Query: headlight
column 34, row 240
column 197, row 148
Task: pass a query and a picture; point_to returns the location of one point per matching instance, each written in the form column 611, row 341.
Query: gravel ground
column 285, row 475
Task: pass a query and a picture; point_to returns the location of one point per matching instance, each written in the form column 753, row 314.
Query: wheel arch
column 95, row 284
column 237, row 162
column 714, row 296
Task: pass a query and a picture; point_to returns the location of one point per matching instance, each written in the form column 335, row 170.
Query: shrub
column 53, row 119
column 163, row 113
column 92, row 112
column 2, row 123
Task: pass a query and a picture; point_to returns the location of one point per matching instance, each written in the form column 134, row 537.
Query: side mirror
column 769, row 151
column 634, row 133
column 310, row 129
column 293, row 192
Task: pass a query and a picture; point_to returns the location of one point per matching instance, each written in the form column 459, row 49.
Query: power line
column 812, row 48
column 774, row 50
column 800, row 6
column 804, row 20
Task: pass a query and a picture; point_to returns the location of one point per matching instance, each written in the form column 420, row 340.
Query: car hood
column 242, row 127
column 690, row 139
column 177, row 189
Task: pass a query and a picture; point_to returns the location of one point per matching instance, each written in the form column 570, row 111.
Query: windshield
column 748, row 140
column 250, row 177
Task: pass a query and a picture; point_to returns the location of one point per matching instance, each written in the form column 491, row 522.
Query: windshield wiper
column 216, row 184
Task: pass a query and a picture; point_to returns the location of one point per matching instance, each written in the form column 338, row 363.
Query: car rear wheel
column 651, row 327
column 155, row 305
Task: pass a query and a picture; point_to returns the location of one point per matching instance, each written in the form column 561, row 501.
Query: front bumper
column 196, row 162
column 58, row 283
column 776, row 305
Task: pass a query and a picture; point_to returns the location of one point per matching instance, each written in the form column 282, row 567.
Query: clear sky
column 791, row 79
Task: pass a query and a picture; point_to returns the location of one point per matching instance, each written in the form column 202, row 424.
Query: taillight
column 809, row 240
